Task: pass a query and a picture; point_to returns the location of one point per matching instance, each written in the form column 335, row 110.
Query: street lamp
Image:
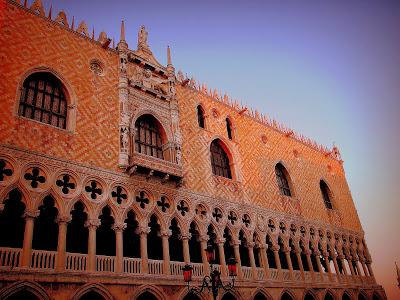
column 213, row 282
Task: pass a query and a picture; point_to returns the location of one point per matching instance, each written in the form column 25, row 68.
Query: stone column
column 165, row 245
column 222, row 262
column 62, row 241
column 318, row 259
column 238, row 260
column 29, row 216
column 351, row 266
column 185, row 247
column 203, row 247
column 307, row 252
column 297, row 250
column 341, row 258
column 328, row 267
column 119, row 246
column 264, row 259
column 334, row 258
column 250, row 248
column 92, row 225
column 364, row 266
column 144, row 231
column 289, row 261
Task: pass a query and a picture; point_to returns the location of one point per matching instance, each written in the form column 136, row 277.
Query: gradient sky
column 328, row 69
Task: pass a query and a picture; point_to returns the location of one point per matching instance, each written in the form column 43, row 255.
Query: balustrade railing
column 260, row 274
column 105, row 263
column 273, row 274
column 247, row 273
column 307, row 276
column 10, row 257
column 76, row 262
column 42, row 259
column 155, row 267
column 176, row 267
column 297, row 275
column 326, row 277
column 132, row 265
column 198, row 269
column 286, row 275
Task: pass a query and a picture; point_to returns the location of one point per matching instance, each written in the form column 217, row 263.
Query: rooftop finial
column 142, row 39
column 73, row 23
column 51, row 8
column 169, row 56
column 122, row 31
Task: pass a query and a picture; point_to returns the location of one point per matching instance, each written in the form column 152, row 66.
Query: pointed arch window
column 148, row 139
column 43, row 99
column 282, row 179
column 326, row 194
column 229, row 128
column 219, row 160
column 200, row 116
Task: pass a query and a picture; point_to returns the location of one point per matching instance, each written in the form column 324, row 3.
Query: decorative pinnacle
column 73, row 23
column 51, row 8
column 169, row 55
column 122, row 31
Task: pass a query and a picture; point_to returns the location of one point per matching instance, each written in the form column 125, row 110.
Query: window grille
column 43, row 99
column 147, row 137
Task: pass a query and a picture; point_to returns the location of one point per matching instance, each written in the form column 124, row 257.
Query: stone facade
column 93, row 161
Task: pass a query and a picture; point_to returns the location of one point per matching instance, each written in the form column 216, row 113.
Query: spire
column 169, row 55
column 122, row 31
column 93, row 33
column 73, row 23
column 51, row 7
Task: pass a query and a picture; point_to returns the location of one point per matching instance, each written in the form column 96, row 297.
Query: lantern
column 232, row 266
column 187, row 273
column 210, row 253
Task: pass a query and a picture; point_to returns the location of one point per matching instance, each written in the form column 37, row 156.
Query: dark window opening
column 229, row 128
column 154, row 242
column 200, row 116
column 194, row 244
column 175, row 242
column 219, row 160
column 131, row 237
column 105, row 235
column 77, row 232
column 148, row 137
column 325, row 194
column 282, row 180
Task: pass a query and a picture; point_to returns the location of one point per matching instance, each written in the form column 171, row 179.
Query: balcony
column 77, row 263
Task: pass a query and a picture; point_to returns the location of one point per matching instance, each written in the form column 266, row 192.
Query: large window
column 326, row 194
column 219, row 160
column 148, row 136
column 43, row 99
column 282, row 179
column 200, row 116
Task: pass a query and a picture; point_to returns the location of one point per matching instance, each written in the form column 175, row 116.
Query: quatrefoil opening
column 34, row 175
column 66, row 183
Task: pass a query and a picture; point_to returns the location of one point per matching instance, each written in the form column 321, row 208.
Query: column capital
column 143, row 230
column 203, row 238
column 63, row 219
column 251, row 244
column 220, row 241
column 120, row 226
column 31, row 213
column 92, row 223
column 186, row 236
column 167, row 233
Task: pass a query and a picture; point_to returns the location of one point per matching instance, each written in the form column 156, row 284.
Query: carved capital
column 166, row 233
column 186, row 236
column 143, row 230
column 31, row 213
column 1, row 207
column 92, row 223
column 63, row 219
column 119, row 226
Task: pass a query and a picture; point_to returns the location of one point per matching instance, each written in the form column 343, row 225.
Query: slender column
column 328, row 267
column 92, row 225
column 357, row 267
column 143, row 231
column 364, row 266
column 341, row 258
column 309, row 262
column 203, row 247
column 238, row 260
column 318, row 259
column 119, row 246
column 62, row 241
column 185, row 248
column 299, row 261
column 30, row 216
column 351, row 267
column 334, row 258
column 264, row 259
column 222, row 262
column 165, row 245
column 370, row 271
column 277, row 259
column 250, row 248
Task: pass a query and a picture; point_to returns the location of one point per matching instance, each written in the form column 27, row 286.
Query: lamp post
column 213, row 282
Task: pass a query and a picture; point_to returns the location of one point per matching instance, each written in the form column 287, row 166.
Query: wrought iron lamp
column 213, row 282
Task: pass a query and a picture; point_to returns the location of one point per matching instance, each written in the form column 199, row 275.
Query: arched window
column 229, row 128
column 219, row 160
column 200, row 116
column 43, row 99
column 281, row 178
column 326, row 194
column 148, row 139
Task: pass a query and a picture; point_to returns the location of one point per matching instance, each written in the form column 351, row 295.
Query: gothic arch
column 234, row 293
column 262, row 291
column 289, row 293
column 88, row 208
column 288, row 172
column 156, row 291
column 95, row 287
column 185, row 293
column 362, row 295
column 68, row 91
column 30, row 286
column 347, row 293
column 331, row 293
column 232, row 155
column 24, row 194
column 58, row 201
column 310, row 292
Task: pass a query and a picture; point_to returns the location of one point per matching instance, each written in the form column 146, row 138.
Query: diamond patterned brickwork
column 29, row 41
column 254, row 163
